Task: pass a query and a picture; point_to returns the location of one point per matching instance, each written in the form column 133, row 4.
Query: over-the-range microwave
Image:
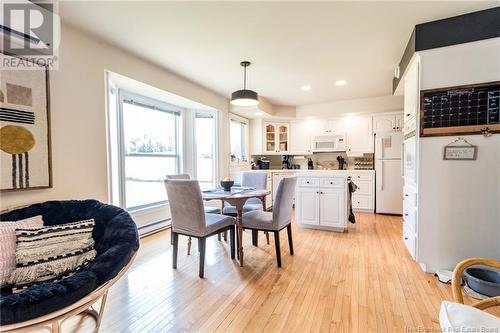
column 328, row 143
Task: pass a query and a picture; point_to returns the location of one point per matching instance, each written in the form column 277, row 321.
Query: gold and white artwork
column 24, row 132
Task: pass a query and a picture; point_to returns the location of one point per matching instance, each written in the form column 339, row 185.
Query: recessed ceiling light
column 341, row 82
column 305, row 88
column 258, row 113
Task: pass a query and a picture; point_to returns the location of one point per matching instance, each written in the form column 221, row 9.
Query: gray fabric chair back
column 254, row 179
column 283, row 202
column 179, row 176
column 186, row 206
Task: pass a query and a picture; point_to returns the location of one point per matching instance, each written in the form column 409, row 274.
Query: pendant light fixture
column 244, row 97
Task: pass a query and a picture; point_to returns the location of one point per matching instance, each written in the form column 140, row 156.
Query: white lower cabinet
column 321, row 202
column 364, row 197
column 332, row 207
column 308, row 200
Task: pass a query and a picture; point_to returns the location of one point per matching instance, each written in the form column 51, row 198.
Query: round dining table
column 237, row 198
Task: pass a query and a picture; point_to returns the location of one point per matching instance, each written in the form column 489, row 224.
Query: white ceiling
column 290, row 44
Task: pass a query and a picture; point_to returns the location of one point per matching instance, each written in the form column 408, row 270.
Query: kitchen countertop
column 318, row 171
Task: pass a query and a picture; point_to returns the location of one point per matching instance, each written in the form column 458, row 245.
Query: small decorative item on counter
column 227, row 183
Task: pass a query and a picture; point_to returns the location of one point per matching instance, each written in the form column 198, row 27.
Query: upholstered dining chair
column 189, row 218
column 208, row 209
column 278, row 219
column 250, row 179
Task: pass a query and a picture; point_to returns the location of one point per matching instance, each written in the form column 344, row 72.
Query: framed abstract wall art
column 25, row 156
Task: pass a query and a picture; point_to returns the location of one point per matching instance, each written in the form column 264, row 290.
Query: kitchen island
column 363, row 199
column 322, row 200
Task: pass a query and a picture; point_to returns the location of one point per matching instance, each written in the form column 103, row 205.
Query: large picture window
column 150, row 149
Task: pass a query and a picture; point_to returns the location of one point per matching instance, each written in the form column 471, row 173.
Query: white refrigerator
column 388, row 177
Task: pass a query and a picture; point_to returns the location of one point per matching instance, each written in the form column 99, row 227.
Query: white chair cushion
column 455, row 317
column 247, row 207
column 258, row 219
column 211, row 210
column 216, row 221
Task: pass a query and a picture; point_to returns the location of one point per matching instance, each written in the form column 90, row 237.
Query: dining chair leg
column 255, row 237
column 237, row 243
column 232, row 241
column 267, row 237
column 171, row 237
column 219, row 238
column 225, row 236
column 277, row 245
column 290, row 240
column 189, row 245
column 175, row 240
column 202, row 243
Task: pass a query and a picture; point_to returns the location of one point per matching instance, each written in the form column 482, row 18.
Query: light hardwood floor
column 360, row 281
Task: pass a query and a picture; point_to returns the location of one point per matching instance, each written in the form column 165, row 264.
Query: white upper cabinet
column 411, row 91
column 359, row 135
column 301, row 133
column 388, row 123
column 269, row 138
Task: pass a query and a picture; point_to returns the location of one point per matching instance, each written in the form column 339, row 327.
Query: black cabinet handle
column 407, row 114
column 331, row 183
column 406, row 238
column 406, row 214
column 406, row 195
column 307, row 182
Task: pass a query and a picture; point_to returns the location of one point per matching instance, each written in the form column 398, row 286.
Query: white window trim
column 235, row 117
column 215, row 151
column 160, row 106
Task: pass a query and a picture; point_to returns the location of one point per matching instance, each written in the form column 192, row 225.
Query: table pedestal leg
column 240, row 234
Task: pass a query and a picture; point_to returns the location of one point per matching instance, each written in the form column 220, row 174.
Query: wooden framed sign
column 469, row 109
column 460, row 153
column 460, row 149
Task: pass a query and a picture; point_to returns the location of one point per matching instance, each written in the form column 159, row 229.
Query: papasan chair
column 49, row 304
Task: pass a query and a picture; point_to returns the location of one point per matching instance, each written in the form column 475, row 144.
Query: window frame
column 159, row 106
column 215, row 149
column 244, row 139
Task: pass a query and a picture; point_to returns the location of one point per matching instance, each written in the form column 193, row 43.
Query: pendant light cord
column 245, row 77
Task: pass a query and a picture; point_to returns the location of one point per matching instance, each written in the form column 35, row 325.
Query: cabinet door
column 359, row 135
column 270, row 138
column 301, row 133
column 384, row 123
column 411, row 90
column 283, row 138
column 307, row 205
column 332, row 207
column 410, row 160
column 398, row 120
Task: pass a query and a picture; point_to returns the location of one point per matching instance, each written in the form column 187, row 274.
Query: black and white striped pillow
column 49, row 253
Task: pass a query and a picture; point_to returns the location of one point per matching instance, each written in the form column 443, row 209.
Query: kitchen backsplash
column 321, row 158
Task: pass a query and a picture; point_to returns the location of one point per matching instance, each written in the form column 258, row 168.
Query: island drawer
column 358, row 176
column 332, row 182
column 308, row 182
column 361, row 202
column 364, row 188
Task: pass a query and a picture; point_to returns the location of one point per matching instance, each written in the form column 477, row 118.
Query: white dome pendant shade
column 244, row 97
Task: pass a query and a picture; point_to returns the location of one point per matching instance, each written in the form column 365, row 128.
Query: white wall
column 78, row 116
column 363, row 105
column 459, row 201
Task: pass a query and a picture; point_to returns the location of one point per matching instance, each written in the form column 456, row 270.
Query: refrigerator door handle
column 402, row 159
column 382, row 176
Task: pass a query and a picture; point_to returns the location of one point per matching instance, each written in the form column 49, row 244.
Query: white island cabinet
column 321, row 201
